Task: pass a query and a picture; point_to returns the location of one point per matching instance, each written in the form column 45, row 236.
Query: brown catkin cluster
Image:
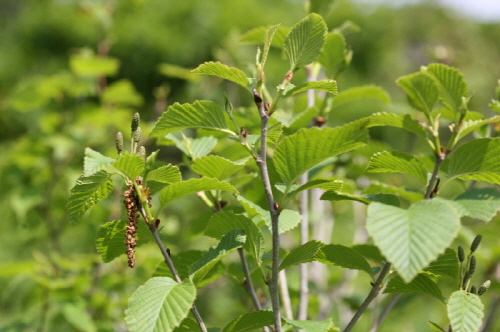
column 133, row 217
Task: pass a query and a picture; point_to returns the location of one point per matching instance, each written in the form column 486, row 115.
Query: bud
column 243, row 135
column 473, row 289
column 475, row 243
column 119, row 142
column 142, row 152
column 472, row 265
column 257, row 98
column 137, row 134
column 461, row 254
column 484, row 287
column 135, row 122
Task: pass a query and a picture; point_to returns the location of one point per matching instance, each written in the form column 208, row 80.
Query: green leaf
column 362, row 92
column 217, row 167
column 183, row 188
column 481, row 203
column 90, row 65
column 223, row 222
column 250, row 321
column 305, row 41
column 435, row 327
column 403, row 121
column 465, row 312
column 268, row 39
column 87, row 191
column 343, row 256
column 299, row 152
column 188, row 325
column 317, row 183
column 311, row 326
column 78, row 316
column 451, row 85
column 218, row 69
column 122, row 93
column 334, row 52
column 420, row 284
column 301, row 254
column 329, row 86
column 165, row 174
column 446, row 265
column 161, row 304
column 421, row 91
column 182, row 262
column 378, row 187
column 130, row 164
column 471, row 125
column 110, row 241
column 397, row 162
column 194, row 148
column 229, row 242
column 370, row 252
column 365, row 199
column 288, row 220
column 412, row 238
column 201, row 114
column 94, row 162
column 258, row 36
column 476, row 160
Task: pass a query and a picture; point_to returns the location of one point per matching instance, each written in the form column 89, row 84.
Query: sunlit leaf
column 343, row 256
column 250, row 321
column 435, row 327
column 420, row 284
column 87, row 64
column 451, row 85
column 301, row 254
column 334, row 51
column 194, row 148
column 421, row 91
column 268, row 39
column 311, row 325
column 465, row 312
column 159, row 305
column 482, row 203
column 217, row 167
column 379, row 187
column 220, row 70
column 94, row 162
column 398, row 162
column 258, row 36
column 469, row 126
column 371, row 92
column 165, row 174
column 123, row 93
column 412, row 238
column 130, row 164
column 403, row 121
column 329, row 86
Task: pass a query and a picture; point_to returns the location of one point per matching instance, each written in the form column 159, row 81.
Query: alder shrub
column 283, row 147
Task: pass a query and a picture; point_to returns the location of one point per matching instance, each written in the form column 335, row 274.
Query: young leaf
column 288, row 220
column 110, row 241
column 446, row 265
column 194, row 148
column 334, row 50
column 476, row 160
column 87, row 191
column 481, row 203
column 229, row 242
column 451, row 84
column 305, row 41
column 160, row 304
column 250, row 321
column 397, row 162
column 311, row 325
column 201, row 114
column 183, row 188
column 344, row 257
column 329, row 86
column 300, row 152
column 268, row 39
column 421, row 91
column 412, row 238
column 94, row 162
column 465, row 312
column 217, row 167
column 471, row 125
column 259, row 35
column 223, row 222
column 420, row 284
column 165, row 174
column 435, row 327
column 301, row 254
column 130, row 165
column 254, row 211
column 362, row 92
column 218, row 69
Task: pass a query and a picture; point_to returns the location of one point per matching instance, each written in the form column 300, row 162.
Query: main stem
column 273, row 210
column 373, row 294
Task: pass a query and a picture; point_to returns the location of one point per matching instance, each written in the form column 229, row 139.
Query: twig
column 304, row 237
column 384, row 313
column 373, row 293
column 285, row 295
column 432, row 182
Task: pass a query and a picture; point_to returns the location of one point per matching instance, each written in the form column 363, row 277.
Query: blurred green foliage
column 74, row 71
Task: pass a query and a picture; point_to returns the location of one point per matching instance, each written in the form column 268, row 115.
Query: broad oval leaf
column 329, row 86
column 217, row 167
column 233, row 240
column 87, row 191
column 220, row 70
column 334, row 52
column 250, row 321
column 299, row 152
column 476, row 160
column 412, row 238
column 465, row 312
column 223, row 222
column 451, row 85
column 183, row 188
column 362, row 92
column 469, row 126
column 421, row 91
column 129, row 164
column 343, row 256
column 420, row 284
column 326, row 325
column 482, row 203
column 446, row 265
column 161, row 304
column 258, row 36
column 305, row 41
column 397, row 162
column 165, row 174
column 201, row 114
column 94, row 162
column 403, row 121
column 110, row 241
column 379, row 187
column 302, row 254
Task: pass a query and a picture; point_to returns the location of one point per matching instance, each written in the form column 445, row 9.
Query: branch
column 384, row 313
column 373, row 294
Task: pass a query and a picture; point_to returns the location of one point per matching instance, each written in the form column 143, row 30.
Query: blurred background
column 73, row 72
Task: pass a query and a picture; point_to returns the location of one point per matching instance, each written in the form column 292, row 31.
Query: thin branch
column 304, row 237
column 431, row 188
column 384, row 313
column 373, row 293
column 285, row 295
